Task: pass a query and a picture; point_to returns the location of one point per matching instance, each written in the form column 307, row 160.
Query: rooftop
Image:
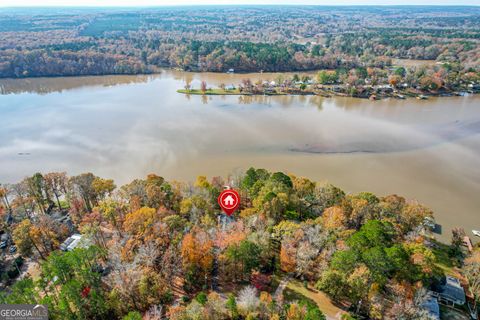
column 72, row 242
column 432, row 307
column 452, row 290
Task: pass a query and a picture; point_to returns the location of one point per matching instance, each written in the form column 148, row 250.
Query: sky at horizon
column 139, row 3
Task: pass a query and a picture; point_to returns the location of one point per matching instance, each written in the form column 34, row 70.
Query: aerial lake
column 124, row 127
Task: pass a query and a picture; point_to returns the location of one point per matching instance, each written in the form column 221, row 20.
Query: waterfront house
column 450, row 292
column 336, row 88
column 383, row 88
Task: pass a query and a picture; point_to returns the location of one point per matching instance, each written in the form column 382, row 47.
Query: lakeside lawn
column 444, row 261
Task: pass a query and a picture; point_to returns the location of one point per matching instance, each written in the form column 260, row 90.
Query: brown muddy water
column 124, row 127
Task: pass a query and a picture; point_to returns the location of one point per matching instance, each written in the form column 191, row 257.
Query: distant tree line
column 245, row 39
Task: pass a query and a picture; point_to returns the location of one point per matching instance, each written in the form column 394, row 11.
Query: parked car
column 12, row 249
column 3, row 244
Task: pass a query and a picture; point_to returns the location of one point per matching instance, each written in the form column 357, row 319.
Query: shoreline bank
column 328, row 93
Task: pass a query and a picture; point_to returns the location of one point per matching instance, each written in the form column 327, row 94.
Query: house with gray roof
column 450, row 292
column 431, row 306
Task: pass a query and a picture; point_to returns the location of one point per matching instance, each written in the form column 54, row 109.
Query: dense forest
column 157, row 248
column 67, row 42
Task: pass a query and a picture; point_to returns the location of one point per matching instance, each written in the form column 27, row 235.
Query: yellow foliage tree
column 333, row 218
column 413, row 215
column 202, row 182
column 295, row 312
column 139, row 222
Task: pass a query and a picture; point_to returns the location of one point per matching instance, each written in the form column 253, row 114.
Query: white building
column 74, row 241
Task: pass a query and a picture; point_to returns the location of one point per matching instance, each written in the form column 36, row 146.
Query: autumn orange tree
column 44, row 235
column 227, row 242
column 140, row 222
column 197, row 256
column 144, row 226
column 23, row 240
column 333, row 218
column 287, row 257
column 394, row 80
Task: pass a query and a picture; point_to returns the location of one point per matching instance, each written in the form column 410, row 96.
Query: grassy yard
column 444, row 261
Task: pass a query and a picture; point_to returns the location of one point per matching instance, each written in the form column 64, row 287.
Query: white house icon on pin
column 229, row 201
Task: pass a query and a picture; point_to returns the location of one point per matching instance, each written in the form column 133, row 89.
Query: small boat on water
column 429, row 223
column 476, row 232
column 422, row 97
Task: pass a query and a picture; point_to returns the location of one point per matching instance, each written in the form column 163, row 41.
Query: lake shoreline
column 400, row 94
column 371, row 92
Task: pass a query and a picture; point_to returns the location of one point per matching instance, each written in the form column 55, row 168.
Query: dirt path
column 331, row 311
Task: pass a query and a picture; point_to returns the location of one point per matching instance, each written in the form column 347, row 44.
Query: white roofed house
column 75, row 241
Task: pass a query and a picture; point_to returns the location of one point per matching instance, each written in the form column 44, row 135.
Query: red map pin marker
column 229, row 200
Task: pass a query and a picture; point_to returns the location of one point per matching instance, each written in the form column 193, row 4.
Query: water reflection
column 50, row 85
